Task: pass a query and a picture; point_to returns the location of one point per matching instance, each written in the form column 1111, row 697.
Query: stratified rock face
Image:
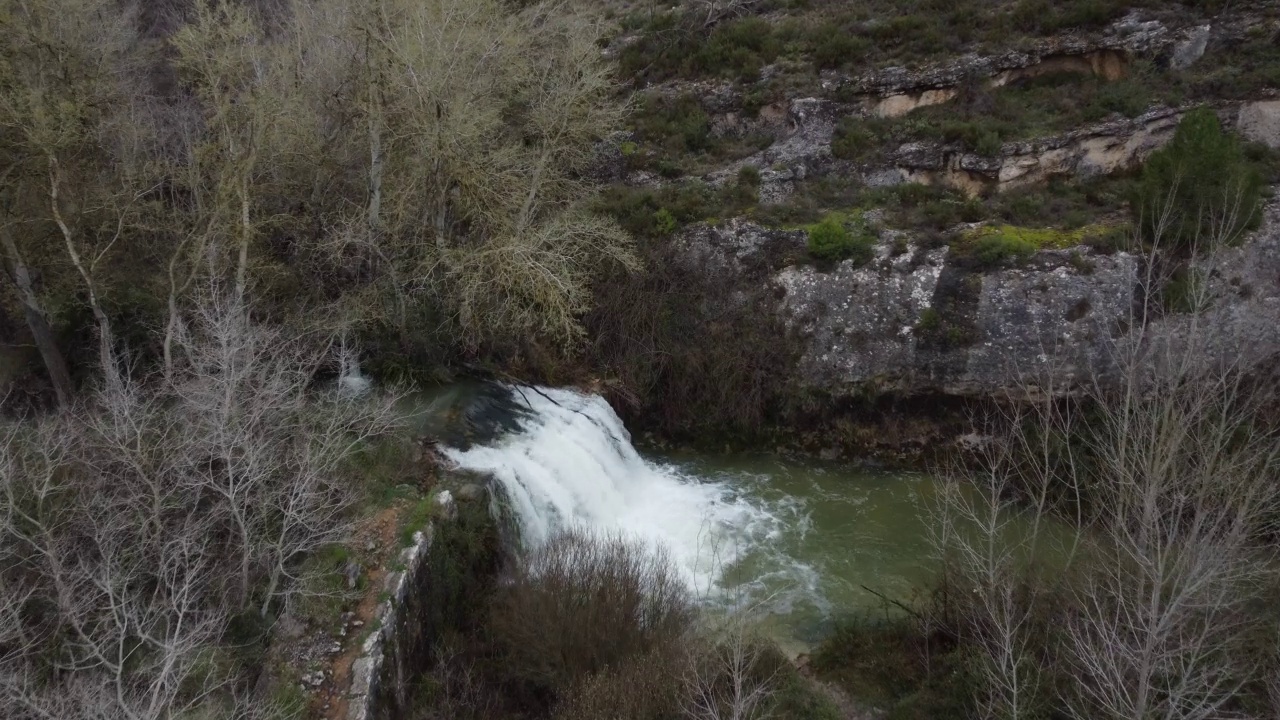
column 1060, row 317
column 866, row 326
column 1241, row 322
column 861, row 321
column 914, row 321
column 1101, row 149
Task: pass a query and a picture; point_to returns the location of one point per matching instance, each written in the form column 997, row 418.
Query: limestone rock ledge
column 920, row 321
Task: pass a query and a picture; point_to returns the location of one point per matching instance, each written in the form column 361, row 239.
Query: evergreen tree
column 1199, row 190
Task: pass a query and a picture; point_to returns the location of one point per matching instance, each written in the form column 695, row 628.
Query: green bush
column 677, row 123
column 664, row 221
column 996, row 249
column 896, row 665
column 839, row 238
column 738, row 49
column 583, row 603
column 858, row 139
column 930, row 321
column 835, row 46
column 1184, row 292
column 1199, row 190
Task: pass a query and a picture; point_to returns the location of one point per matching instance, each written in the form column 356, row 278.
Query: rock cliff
column 916, row 320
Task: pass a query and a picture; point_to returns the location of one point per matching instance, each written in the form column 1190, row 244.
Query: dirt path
column 380, row 530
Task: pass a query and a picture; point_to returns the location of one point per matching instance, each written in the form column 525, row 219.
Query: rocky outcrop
column 1102, row 149
column 860, row 322
column 895, row 91
column 916, row 321
column 803, row 128
column 1260, row 122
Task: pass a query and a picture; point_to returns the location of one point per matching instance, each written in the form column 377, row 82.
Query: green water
column 841, row 534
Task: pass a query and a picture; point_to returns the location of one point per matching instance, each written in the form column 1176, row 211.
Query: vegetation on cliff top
column 1200, row 190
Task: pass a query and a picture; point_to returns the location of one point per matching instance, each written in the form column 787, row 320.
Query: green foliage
column 840, row 237
column 997, row 249
column 859, row 139
column 465, row 556
column 650, row 213
column 738, row 48
column 387, row 469
column 677, row 123
column 946, row 212
column 892, row 664
column 664, row 221
column 930, row 321
column 734, row 49
column 1043, row 16
column 982, row 119
column 1043, row 238
column 331, row 595
column 1069, row 204
column 797, row 697
column 1198, row 191
column 1240, row 70
column 1184, row 292
column 834, row 46
column 416, row 520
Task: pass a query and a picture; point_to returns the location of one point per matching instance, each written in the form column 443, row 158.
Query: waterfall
column 571, row 464
column 351, row 382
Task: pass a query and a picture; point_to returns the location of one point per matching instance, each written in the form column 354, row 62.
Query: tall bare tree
column 1167, row 466
column 71, row 71
column 481, row 123
column 143, row 520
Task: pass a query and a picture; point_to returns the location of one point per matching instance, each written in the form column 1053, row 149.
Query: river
column 796, row 542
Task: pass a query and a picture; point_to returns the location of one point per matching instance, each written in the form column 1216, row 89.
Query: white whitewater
column 572, row 465
column 351, row 382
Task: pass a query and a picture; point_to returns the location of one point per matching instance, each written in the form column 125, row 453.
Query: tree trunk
column 38, row 323
column 106, row 354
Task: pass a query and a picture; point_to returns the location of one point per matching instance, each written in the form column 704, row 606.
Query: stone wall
column 400, row 644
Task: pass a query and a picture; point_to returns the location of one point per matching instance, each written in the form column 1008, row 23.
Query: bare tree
column 469, row 205
column 731, row 674
column 1165, row 468
column 69, row 88
column 147, row 517
column 37, row 318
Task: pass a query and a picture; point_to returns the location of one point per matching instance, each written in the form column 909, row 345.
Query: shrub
column 895, row 664
column 835, row 46
column 838, row 238
column 930, row 321
column 585, row 603
column 664, row 221
column 677, row 123
column 990, row 250
column 857, row 138
column 946, row 212
column 641, row 688
column 737, row 49
column 700, row 356
column 1185, row 291
column 1200, row 189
